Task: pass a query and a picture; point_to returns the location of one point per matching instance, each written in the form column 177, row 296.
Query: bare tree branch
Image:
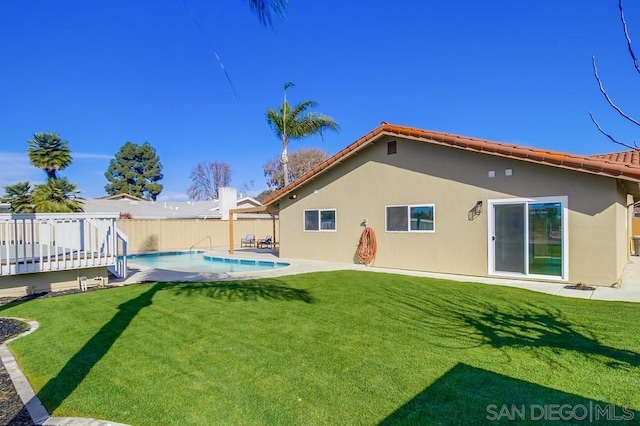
column 300, row 162
column 614, row 140
column 606, row 95
column 604, row 92
column 626, row 35
column 207, row 178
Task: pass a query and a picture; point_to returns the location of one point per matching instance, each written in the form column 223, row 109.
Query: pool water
column 198, row 261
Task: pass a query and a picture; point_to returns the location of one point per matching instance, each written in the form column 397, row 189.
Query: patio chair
column 248, row 241
column 265, row 242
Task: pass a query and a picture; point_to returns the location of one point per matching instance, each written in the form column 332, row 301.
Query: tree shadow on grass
column 73, row 373
column 251, row 290
column 468, row 322
column 76, row 369
column 469, row 395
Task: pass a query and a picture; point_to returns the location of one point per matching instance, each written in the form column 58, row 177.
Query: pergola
column 270, row 210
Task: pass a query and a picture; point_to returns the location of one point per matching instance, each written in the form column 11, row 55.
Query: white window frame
column 564, row 202
column 304, row 220
column 409, row 206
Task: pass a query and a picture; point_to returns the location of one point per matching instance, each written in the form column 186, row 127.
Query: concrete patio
column 629, row 291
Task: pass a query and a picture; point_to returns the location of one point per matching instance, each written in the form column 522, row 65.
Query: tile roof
column 631, row 157
column 624, row 166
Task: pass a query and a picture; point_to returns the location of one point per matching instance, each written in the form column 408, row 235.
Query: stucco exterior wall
column 623, row 228
column 454, row 180
column 158, row 235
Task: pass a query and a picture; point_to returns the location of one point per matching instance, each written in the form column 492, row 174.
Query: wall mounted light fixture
column 293, row 196
column 475, row 211
column 478, row 208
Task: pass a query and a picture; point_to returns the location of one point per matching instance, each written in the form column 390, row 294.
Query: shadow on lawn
column 251, row 290
column 77, row 368
column 60, row 387
column 469, row 395
column 473, row 322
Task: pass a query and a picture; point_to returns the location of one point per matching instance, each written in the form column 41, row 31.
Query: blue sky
column 104, row 73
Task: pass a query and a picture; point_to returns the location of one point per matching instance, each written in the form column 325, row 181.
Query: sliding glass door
column 545, row 239
column 528, row 237
column 509, row 237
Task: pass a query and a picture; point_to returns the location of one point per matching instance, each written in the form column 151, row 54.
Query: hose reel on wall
column 367, row 246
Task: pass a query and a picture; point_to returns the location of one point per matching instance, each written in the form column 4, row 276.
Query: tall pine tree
column 135, row 170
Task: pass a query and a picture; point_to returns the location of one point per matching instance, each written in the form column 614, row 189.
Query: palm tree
column 265, row 8
column 19, row 196
column 296, row 123
column 49, row 153
column 57, row 196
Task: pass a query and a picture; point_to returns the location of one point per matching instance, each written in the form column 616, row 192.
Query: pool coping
column 213, row 258
column 141, row 273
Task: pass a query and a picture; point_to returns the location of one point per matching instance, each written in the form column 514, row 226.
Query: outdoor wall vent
column 392, row 147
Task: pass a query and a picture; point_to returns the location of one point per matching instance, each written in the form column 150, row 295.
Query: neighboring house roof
column 248, row 201
column 154, row 209
column 121, row 196
column 601, row 165
column 143, row 209
column 244, row 202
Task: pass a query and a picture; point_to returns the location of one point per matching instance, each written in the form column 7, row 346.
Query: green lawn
column 326, row 348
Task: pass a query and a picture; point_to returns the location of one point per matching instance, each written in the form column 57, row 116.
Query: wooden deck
column 31, row 243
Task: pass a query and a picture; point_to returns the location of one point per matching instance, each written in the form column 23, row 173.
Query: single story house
column 447, row 203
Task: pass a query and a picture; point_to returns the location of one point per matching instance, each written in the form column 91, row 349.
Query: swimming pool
column 198, row 261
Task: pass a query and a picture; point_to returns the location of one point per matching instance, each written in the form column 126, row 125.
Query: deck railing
column 59, row 241
column 120, row 268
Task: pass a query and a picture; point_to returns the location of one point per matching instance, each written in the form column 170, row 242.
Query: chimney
column 227, row 199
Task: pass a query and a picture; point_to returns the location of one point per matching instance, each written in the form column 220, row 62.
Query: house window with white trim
column 320, row 220
column 410, row 218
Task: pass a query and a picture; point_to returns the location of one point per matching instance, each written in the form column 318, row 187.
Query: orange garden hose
column 367, row 247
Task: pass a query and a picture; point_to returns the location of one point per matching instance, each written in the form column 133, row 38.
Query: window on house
column 411, row 218
column 320, row 220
